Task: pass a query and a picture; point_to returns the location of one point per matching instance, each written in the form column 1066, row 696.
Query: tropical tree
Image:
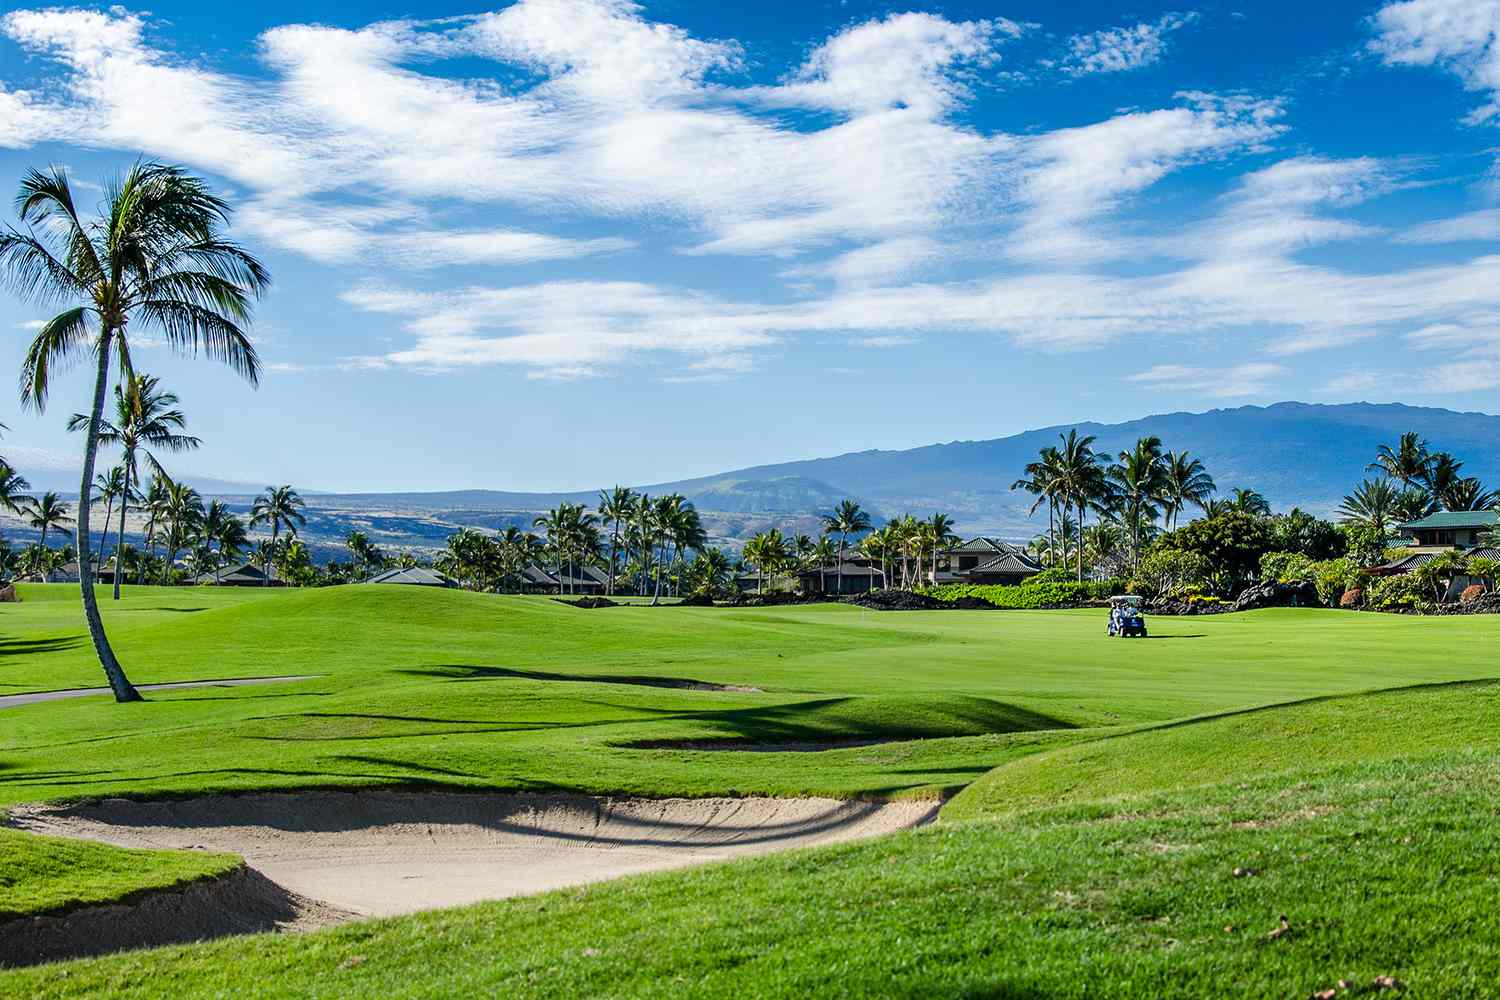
column 1042, row 481
column 109, row 487
column 366, row 555
column 1185, row 481
column 1081, row 480
column 879, row 546
column 941, row 536
column 1138, row 479
column 183, row 513
column 223, row 528
column 147, row 421
column 767, row 552
column 1372, row 503
column 13, row 487
column 1248, row 501
column 45, row 513
column 154, row 502
column 848, row 518
column 1443, row 473
column 1408, row 462
column 709, row 573
column 154, row 256
column 616, row 507
column 1468, row 494
column 281, row 508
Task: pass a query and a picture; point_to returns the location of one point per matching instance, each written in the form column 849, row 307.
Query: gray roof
column 983, row 545
column 243, row 573
column 535, row 574
column 1012, row 562
column 417, row 576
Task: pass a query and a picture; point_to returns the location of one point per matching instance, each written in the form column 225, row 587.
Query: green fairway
column 1071, row 754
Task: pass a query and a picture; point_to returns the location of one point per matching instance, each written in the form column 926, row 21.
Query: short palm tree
column 848, row 518
column 222, row 528
column 942, row 536
column 280, row 507
column 155, row 256
column 13, row 487
column 1248, row 501
column 1373, row 503
column 47, row 512
column 109, row 487
column 146, row 421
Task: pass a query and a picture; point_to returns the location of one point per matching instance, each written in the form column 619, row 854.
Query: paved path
column 12, row 700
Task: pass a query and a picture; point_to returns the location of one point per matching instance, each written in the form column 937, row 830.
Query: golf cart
column 1125, row 617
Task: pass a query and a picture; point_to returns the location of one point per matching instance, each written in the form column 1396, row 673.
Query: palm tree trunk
column 1080, row 539
column 843, row 536
column 118, row 682
column 270, row 554
column 1051, row 531
column 109, row 508
column 120, row 535
column 614, row 543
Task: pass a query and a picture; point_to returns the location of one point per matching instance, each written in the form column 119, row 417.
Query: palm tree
column 13, row 487
column 48, row 512
column 1408, row 462
column 1043, row 482
column 280, row 507
column 1469, row 494
column 1372, row 502
column 615, row 509
column 1081, row 479
column 108, row 486
column 221, row 527
column 848, row 518
column 1444, row 472
column 154, row 503
column 360, row 549
column 767, row 552
column 1247, row 501
column 155, row 256
column 1185, row 481
column 146, row 418
column 1138, row 478
column 942, row 537
column 184, row 514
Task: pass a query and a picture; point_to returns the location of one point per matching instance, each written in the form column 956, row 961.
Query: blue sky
column 566, row 243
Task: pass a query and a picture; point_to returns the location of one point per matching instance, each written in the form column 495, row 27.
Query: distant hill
column 1301, row 454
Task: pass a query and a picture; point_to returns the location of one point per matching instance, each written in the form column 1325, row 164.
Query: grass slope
column 1094, row 849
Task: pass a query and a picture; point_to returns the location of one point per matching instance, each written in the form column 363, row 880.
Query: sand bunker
column 386, row 852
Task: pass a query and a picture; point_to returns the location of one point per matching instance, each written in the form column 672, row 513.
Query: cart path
column 14, row 700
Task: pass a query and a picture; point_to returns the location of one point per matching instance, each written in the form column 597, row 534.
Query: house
column 1444, row 531
column 416, row 576
column 857, row 576
column 988, row 560
column 567, row 580
column 533, row 577
column 244, row 575
column 1449, row 529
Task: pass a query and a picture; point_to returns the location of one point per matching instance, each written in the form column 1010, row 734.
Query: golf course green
column 1126, row 818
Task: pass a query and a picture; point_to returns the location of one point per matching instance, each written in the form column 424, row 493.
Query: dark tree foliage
column 1299, row 531
column 1232, row 543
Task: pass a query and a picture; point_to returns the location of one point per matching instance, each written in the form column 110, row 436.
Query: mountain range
column 1297, row 454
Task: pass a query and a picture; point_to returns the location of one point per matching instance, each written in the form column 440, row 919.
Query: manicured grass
column 1381, row 869
column 38, row 874
column 1086, row 854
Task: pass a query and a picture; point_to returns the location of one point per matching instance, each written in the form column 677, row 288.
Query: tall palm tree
column 146, row 421
column 155, row 504
column 1407, row 462
column 48, row 512
column 280, row 507
column 615, row 509
column 109, row 487
column 848, row 518
column 1043, row 481
column 1138, row 478
column 1185, row 481
column 942, row 536
column 1443, row 473
column 184, row 516
column 155, row 256
column 1469, row 494
column 1080, row 478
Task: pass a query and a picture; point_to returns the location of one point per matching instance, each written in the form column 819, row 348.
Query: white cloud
column 1459, row 35
column 1251, row 379
column 1469, row 227
column 1117, row 49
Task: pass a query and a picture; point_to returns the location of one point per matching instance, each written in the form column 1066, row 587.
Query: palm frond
column 190, row 328
column 56, row 346
column 46, row 198
column 33, row 271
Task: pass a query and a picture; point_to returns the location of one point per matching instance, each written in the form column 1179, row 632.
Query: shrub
column 1030, row 595
column 1052, row 574
column 1352, row 598
column 1393, row 593
column 1334, row 577
column 1471, row 593
column 1286, row 567
column 1170, row 573
column 1484, row 568
column 1365, row 544
column 1301, row 532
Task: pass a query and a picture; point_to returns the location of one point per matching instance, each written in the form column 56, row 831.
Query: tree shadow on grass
column 57, row 644
column 467, row 672
column 183, row 611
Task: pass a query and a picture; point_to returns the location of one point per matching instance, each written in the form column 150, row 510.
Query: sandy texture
column 241, row 902
column 32, row 697
column 385, row 852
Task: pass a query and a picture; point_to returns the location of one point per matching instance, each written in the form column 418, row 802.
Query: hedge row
column 1029, row 596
